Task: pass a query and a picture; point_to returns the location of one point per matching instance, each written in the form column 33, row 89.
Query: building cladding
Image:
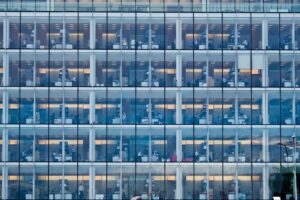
column 173, row 99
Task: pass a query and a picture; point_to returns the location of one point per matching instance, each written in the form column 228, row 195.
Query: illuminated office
column 173, row 99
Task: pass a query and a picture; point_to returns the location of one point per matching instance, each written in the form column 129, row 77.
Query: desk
column 230, row 46
column 145, row 84
column 29, row 158
column 144, row 158
column 154, row 158
column 58, row 46
column 231, row 120
column 202, row 158
column 202, row 84
column 144, row 196
column 58, row 83
column 242, row 158
column 29, row 121
column 59, row 158
column 29, row 83
column 288, row 159
column 69, row 121
column 68, row 83
column 116, row 46
column 156, row 83
column 231, row 196
column 115, row 83
column 145, row 46
column 59, row 196
column 241, row 84
column 116, row 121
column 231, row 158
column 145, row 121
column 99, row 196
column 116, row 196
column 29, row 46
column 242, row 196
column 231, row 83
column 155, row 46
column 115, row 158
column 202, row 121
column 287, row 84
column 202, row 196
column 241, row 46
column 69, row 46
column 242, row 120
column 202, row 46
column 57, row 121
column 28, row 196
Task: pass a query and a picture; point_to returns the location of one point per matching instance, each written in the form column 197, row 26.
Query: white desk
column 231, row 196
column 69, row 121
column 115, row 158
column 29, row 83
column 242, row 159
column 57, row 121
column 202, row 46
column 287, row 84
column 231, row 158
column 69, row 46
column 99, row 196
column 144, row 158
column 241, row 46
column 68, row 158
column 29, row 158
column 202, row 158
column 28, row 196
column 155, row 46
column 68, row 196
column 288, row 158
column 202, row 84
column 241, row 84
column 231, row 83
column 145, row 84
column 145, row 46
column 156, row 83
column 145, row 121
column 202, row 121
column 68, row 83
column 116, row 121
column 144, row 196
column 242, row 196
column 58, row 196
column 58, row 46
column 231, row 120
column 115, row 196
column 58, row 83
column 29, row 121
column 29, row 46
column 115, row 84
column 202, row 196
column 242, row 120
column 116, row 46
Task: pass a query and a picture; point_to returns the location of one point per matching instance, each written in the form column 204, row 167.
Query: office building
column 173, row 99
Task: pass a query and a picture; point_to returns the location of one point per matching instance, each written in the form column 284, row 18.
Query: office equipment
column 99, row 196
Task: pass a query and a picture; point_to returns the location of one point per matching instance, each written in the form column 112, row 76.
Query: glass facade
column 149, row 99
